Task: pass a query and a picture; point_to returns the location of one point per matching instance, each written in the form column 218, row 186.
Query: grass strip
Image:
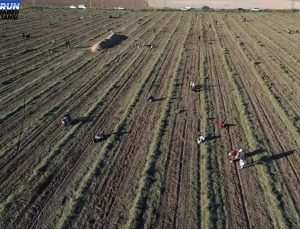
column 150, row 182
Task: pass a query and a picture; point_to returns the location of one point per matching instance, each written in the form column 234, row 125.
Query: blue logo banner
column 10, row 4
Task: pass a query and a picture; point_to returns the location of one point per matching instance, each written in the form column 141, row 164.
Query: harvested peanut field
column 149, row 171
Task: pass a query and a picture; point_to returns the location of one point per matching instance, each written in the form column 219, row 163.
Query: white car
column 255, row 9
column 187, row 8
column 73, row 7
column 82, row 6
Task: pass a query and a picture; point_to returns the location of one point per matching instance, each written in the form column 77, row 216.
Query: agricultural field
column 149, row 172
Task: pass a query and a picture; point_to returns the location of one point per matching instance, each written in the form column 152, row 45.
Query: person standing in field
column 201, row 139
column 238, row 155
column 67, row 44
column 233, row 155
column 242, row 157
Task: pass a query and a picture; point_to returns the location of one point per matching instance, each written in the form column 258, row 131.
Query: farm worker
column 99, row 137
column 221, row 124
column 233, row 154
column 151, row 99
column 242, row 157
column 67, row 44
column 238, row 155
column 192, row 85
column 201, row 139
column 67, row 119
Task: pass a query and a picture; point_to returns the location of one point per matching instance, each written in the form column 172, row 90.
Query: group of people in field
column 68, row 120
column 235, row 154
column 25, row 35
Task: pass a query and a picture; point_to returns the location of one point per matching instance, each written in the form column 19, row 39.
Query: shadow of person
column 119, row 134
column 197, row 88
column 207, row 87
column 159, row 99
column 81, row 120
column 255, row 152
column 212, row 137
column 229, row 125
column 269, row 159
column 265, row 160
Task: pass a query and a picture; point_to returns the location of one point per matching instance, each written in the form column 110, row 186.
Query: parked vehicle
column 81, row 6
column 255, row 9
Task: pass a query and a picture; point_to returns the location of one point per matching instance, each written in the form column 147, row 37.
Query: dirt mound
column 95, row 47
column 112, row 40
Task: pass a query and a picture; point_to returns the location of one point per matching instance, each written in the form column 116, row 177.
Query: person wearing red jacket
column 238, row 155
column 233, row 155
